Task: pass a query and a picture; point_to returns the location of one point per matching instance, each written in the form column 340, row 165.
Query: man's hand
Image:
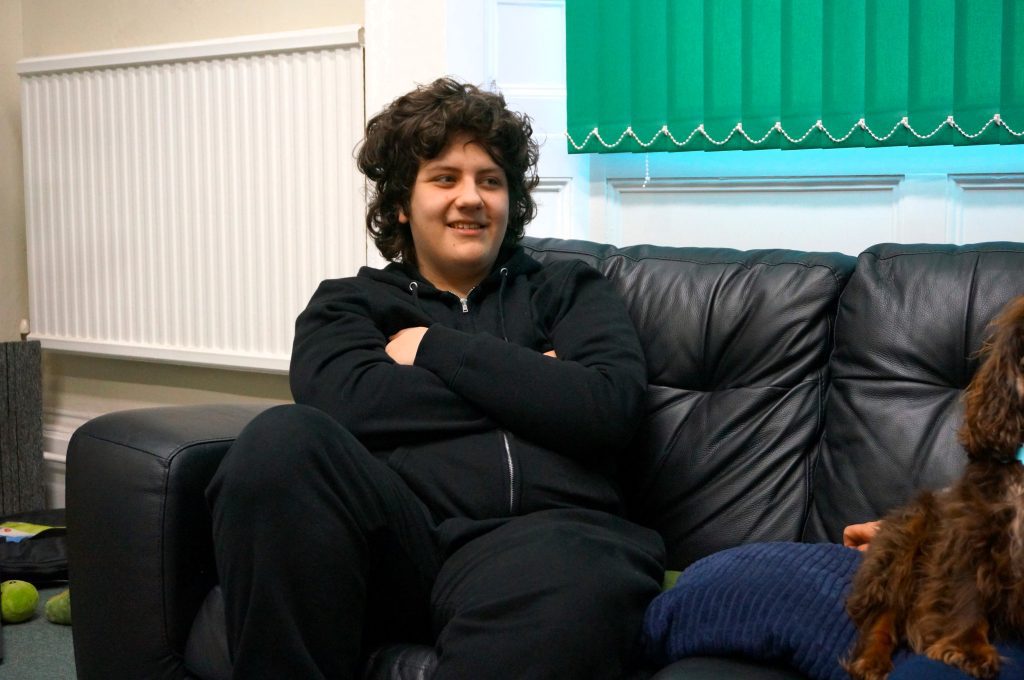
column 403, row 345
column 859, row 535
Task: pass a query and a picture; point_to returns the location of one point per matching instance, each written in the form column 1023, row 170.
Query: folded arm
column 340, row 365
column 424, row 382
column 591, row 397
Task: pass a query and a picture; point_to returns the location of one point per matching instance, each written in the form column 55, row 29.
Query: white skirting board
column 58, row 426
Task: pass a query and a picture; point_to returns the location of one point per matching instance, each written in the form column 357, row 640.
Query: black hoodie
column 483, row 424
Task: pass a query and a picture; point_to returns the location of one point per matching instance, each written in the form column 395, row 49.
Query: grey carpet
column 38, row 649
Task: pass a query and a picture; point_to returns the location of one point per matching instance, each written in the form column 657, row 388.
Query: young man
column 449, row 473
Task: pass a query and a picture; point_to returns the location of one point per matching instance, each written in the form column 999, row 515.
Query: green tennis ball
column 18, row 600
column 58, row 608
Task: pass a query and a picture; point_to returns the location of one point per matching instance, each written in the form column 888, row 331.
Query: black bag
column 40, row 559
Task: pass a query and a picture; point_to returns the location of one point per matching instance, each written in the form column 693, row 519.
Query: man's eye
column 444, row 179
column 493, row 182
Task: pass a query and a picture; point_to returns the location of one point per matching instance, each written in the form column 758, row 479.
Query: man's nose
column 469, row 195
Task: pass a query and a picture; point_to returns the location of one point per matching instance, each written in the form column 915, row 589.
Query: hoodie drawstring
column 501, row 302
column 414, row 286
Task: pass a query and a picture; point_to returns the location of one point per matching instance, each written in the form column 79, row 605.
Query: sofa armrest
column 139, row 547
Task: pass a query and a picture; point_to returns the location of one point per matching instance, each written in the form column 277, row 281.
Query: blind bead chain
column 778, row 129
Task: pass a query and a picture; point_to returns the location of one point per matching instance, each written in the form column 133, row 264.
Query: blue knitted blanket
column 776, row 602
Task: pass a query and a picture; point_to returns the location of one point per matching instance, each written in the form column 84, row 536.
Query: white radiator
column 183, row 201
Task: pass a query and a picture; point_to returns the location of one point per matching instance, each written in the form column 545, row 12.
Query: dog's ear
column 994, row 416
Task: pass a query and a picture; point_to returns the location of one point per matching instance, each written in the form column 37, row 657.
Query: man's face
column 458, row 214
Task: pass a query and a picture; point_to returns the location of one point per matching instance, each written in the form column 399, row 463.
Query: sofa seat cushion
column 777, row 603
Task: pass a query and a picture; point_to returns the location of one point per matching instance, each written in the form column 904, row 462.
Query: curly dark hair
column 417, row 127
column 994, row 400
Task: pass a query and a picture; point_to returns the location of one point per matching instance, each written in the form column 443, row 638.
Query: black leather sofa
column 791, row 394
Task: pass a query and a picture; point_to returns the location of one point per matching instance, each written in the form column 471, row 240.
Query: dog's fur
column 946, row 573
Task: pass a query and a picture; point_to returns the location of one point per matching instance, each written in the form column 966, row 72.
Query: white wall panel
column 554, row 197
column 834, row 213
column 530, row 49
column 987, row 208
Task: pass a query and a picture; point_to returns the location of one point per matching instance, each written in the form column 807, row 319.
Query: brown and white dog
column 946, row 572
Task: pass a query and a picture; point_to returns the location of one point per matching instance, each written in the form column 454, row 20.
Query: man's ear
column 402, row 217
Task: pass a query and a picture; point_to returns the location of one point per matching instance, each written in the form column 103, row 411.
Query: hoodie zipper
column 511, row 473
column 464, row 301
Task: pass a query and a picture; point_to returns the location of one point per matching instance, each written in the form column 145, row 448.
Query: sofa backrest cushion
column 910, row 324
column 737, row 345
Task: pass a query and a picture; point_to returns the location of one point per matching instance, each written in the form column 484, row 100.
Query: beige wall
column 13, row 283
column 69, row 26
column 85, row 386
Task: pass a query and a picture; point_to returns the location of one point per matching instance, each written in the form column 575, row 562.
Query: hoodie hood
column 511, row 263
column 512, row 260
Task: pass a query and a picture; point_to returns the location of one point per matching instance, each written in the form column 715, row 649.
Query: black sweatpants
column 323, row 552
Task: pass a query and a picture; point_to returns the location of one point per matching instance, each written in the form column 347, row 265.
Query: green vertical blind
column 688, row 75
